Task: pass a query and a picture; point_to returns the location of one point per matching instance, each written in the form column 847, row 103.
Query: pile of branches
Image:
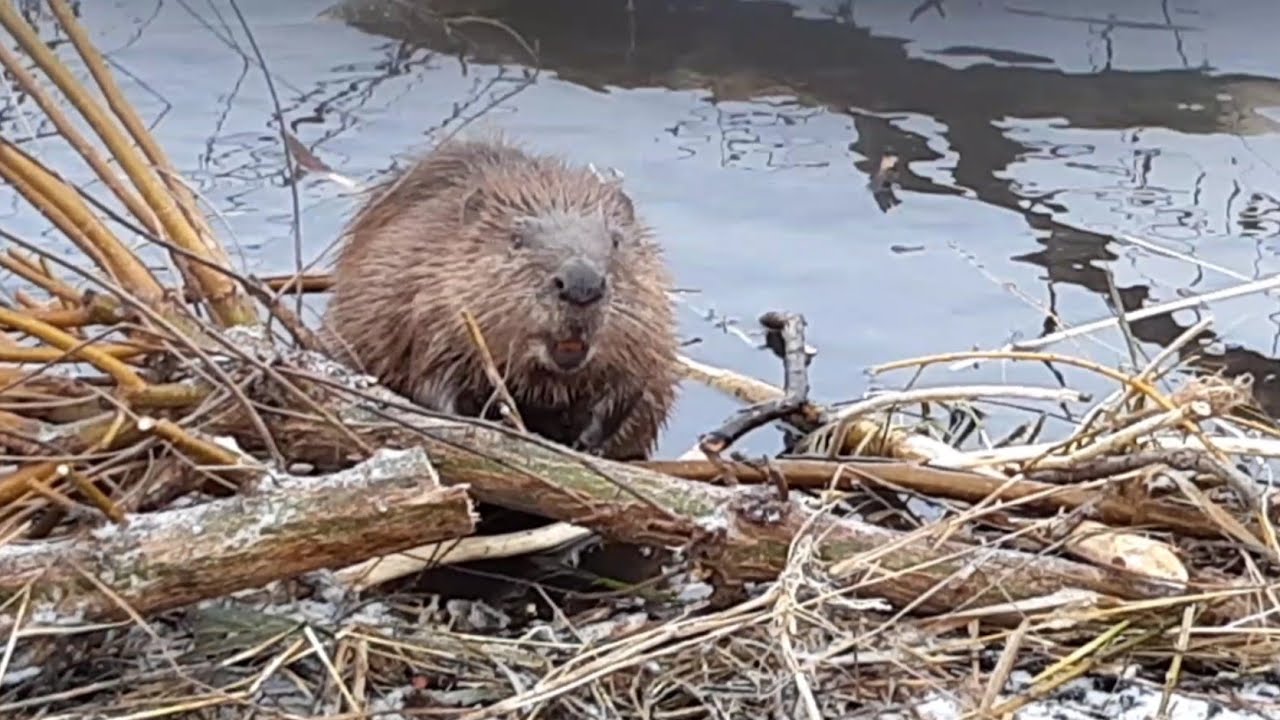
column 201, row 513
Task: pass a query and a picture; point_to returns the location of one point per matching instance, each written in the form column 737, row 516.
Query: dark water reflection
column 1031, row 138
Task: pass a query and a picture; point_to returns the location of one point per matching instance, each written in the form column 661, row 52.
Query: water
column 1027, row 136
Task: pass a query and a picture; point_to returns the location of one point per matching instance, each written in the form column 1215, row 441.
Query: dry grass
column 115, row 379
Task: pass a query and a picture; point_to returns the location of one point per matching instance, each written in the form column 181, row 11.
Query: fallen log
column 288, row 526
column 742, row 534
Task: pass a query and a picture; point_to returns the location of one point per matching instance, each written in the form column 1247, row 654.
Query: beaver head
column 566, row 283
column 565, row 254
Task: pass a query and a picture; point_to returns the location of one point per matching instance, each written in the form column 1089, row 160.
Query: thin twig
column 509, row 409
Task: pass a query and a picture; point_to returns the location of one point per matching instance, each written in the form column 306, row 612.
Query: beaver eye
column 617, row 238
column 517, row 240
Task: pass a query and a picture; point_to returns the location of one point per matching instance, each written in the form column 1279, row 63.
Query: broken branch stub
column 785, row 337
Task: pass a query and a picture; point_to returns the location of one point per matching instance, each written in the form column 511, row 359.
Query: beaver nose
column 579, row 283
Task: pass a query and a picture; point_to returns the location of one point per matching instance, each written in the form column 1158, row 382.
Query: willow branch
column 91, row 493
column 23, row 354
column 228, row 306
column 190, row 444
column 58, row 202
column 128, row 117
column 16, row 263
column 311, row 282
column 222, row 293
column 17, row 483
column 123, row 374
column 77, row 141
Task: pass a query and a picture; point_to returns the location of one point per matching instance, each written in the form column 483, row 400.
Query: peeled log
column 290, row 525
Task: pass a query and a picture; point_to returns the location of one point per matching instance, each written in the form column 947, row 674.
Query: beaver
column 567, row 284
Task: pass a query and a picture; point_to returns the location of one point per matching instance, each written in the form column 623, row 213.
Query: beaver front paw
column 591, row 443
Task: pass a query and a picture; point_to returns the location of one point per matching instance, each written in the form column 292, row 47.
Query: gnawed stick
column 293, row 525
column 742, row 388
column 375, row 571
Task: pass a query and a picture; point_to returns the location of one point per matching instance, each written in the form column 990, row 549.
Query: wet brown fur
column 438, row 239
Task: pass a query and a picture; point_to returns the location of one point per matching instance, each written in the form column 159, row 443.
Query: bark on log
column 290, row 525
column 744, row 533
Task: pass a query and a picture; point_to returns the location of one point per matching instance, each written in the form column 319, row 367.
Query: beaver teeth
column 569, row 354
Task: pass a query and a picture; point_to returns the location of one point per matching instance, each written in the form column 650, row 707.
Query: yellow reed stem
column 77, row 141
column 22, row 354
column 169, row 396
column 72, row 312
column 491, row 369
column 195, row 236
column 123, row 374
column 313, row 282
column 114, row 431
column 47, row 271
column 220, row 291
column 46, row 191
column 16, row 484
column 128, row 117
column 202, row 450
column 23, row 268
column 55, row 216
column 91, row 493
column 59, row 303
column 95, row 314
column 24, row 299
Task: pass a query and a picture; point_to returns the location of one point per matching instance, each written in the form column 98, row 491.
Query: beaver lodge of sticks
column 205, row 513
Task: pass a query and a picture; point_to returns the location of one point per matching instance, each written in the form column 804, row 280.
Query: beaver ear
column 473, row 205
